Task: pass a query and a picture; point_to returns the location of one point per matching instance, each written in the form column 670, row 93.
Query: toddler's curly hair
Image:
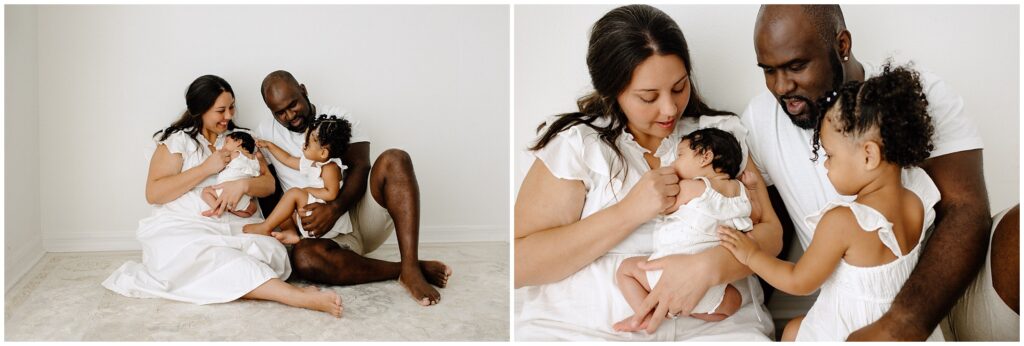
column 894, row 103
column 334, row 134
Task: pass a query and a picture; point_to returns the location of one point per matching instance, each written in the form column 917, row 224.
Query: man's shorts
column 371, row 226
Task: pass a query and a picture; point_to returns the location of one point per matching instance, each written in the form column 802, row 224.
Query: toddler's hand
column 741, row 245
column 262, row 143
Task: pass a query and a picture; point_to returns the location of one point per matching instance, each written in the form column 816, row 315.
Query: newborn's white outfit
column 239, row 168
column 310, row 172
column 693, row 228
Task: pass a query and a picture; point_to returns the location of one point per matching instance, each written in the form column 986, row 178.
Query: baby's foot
column 256, row 228
column 436, row 273
column 286, row 237
column 326, row 301
column 626, row 325
column 418, row 287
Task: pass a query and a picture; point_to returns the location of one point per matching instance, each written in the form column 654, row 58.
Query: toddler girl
column 326, row 140
column 863, row 250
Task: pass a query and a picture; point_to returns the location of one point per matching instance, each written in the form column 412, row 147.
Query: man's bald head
column 827, row 20
column 279, row 77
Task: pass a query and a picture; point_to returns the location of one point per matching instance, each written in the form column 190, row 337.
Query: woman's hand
column 740, row 244
column 683, row 283
column 654, row 194
column 216, row 162
column 233, row 191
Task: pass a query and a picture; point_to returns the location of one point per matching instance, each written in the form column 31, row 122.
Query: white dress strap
column 870, row 219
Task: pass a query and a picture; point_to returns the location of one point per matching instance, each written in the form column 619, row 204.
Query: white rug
column 61, row 299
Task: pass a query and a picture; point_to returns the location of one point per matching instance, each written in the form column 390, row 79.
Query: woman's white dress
column 853, row 297
column 584, row 305
column 193, row 258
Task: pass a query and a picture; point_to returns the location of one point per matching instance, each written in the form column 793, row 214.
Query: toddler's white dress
column 693, row 228
column 310, row 172
column 854, row 297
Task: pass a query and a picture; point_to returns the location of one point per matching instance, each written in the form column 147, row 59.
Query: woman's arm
column 331, row 174
column 166, row 182
column 819, row 261
column 552, row 242
column 686, row 278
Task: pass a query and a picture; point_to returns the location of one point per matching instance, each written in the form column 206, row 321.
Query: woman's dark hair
column 248, row 143
column 728, row 154
column 619, row 42
column 199, row 98
column 334, row 134
column 895, row 103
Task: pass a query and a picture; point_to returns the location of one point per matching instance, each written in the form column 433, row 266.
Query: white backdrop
column 975, row 49
column 432, row 80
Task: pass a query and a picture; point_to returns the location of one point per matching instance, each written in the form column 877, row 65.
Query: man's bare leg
column 1006, row 259
column 393, row 185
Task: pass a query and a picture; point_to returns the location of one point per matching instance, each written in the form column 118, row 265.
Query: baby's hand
column 741, row 245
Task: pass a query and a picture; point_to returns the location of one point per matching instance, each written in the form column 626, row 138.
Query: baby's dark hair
column 248, row 143
column 728, row 154
column 334, row 134
column 895, row 103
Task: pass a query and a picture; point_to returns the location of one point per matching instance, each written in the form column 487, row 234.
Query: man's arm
column 952, row 256
column 356, row 176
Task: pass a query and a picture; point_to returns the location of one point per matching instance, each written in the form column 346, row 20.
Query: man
column 374, row 201
column 805, row 52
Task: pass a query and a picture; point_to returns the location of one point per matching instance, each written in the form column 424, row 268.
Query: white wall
column 975, row 49
column 431, row 80
column 23, row 245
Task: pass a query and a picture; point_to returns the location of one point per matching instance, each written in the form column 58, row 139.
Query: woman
column 207, row 259
column 600, row 179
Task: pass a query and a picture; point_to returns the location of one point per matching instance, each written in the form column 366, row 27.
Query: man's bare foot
column 436, row 273
column 326, row 301
column 418, row 287
column 256, row 228
column 286, row 237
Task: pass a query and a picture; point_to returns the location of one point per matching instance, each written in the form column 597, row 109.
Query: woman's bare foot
column 326, row 301
column 436, row 272
column 418, row 287
column 286, row 237
column 256, row 228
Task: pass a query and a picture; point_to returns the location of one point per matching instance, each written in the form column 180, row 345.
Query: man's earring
column 846, row 58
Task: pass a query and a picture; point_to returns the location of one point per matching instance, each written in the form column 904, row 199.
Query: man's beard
column 301, row 127
column 809, row 119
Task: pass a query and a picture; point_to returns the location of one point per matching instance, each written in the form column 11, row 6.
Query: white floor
column 61, row 299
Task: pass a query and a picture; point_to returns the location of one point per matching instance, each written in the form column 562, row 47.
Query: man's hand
column 320, row 220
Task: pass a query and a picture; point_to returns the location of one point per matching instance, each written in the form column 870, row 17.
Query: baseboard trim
column 125, row 241
column 23, row 259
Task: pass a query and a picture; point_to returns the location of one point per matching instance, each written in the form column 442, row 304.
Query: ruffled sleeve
column 179, row 143
column 336, row 161
column 563, row 156
column 731, row 124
